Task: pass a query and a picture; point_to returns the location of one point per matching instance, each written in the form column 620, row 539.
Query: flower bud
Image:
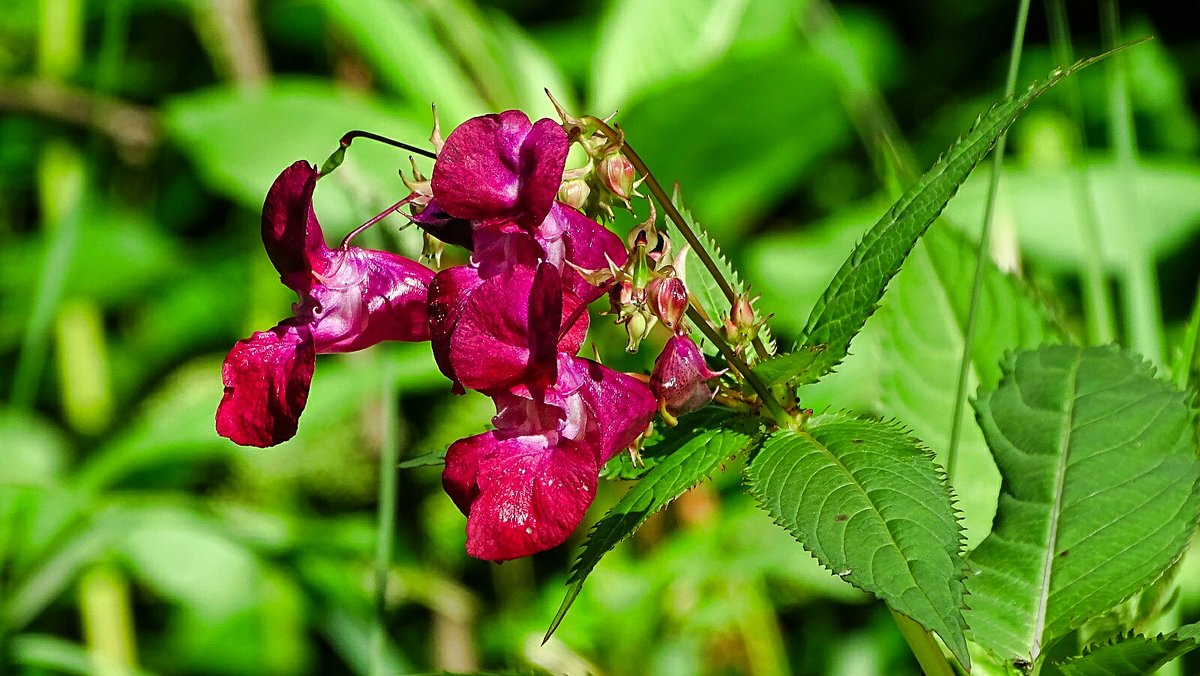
column 637, row 327
column 742, row 312
column 574, row 193
column 617, row 174
column 668, row 300
column 680, row 378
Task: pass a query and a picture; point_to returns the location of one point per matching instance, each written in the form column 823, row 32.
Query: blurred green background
column 138, row 137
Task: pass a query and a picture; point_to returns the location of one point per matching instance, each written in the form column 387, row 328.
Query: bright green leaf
column 693, row 461
column 855, row 291
column 923, row 324
column 868, row 501
column 1128, row 656
column 1099, row 495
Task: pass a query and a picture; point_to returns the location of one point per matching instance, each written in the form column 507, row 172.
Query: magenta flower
column 526, row 485
column 350, row 299
column 680, row 377
column 504, row 330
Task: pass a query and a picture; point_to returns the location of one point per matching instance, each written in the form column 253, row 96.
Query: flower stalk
column 664, row 200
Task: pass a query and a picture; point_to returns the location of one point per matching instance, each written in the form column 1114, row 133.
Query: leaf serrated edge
column 575, row 581
column 943, row 480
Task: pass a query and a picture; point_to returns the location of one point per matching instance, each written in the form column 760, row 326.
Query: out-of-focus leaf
column 1049, row 226
column 34, row 450
column 60, row 656
column 868, row 501
column 398, row 40
column 1099, row 495
column 118, row 255
column 186, row 559
column 922, row 324
column 737, row 161
column 242, row 140
column 645, row 42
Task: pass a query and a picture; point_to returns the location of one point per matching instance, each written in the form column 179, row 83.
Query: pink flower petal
column 367, row 297
column 680, row 377
column 448, row 295
column 586, row 244
column 533, row 493
column 501, row 167
column 507, row 330
column 290, row 231
column 266, row 385
column 620, row 406
column 460, row 477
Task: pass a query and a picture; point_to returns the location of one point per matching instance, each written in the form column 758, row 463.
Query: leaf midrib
column 867, row 498
column 1064, row 444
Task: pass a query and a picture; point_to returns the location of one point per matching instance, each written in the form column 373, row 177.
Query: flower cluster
column 507, row 324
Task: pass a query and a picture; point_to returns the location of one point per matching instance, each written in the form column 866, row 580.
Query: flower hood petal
column 501, row 167
column 290, row 231
column 620, row 406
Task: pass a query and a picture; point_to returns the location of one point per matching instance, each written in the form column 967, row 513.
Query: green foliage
column 854, row 292
column 693, row 460
column 1128, row 655
column 867, row 500
column 922, row 325
column 1099, row 495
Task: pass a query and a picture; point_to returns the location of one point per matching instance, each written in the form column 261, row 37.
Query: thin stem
column 664, row 201
column 349, row 137
column 764, row 393
column 981, row 259
column 1098, row 305
column 375, row 219
column 929, row 655
column 386, row 530
column 1142, row 313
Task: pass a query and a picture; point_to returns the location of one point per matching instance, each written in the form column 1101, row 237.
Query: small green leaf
column 855, row 291
column 700, row 282
column 868, row 501
column 1099, row 498
column 1128, row 656
column 693, row 460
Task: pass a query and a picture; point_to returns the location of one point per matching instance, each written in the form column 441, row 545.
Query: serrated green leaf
column 855, row 291
column 693, row 461
column 1128, row 656
column 923, row 324
column 1099, row 468
column 664, row 442
column 700, row 282
column 868, row 501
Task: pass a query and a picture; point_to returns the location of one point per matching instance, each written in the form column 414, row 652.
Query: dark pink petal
column 586, row 244
column 572, row 339
column 680, row 377
column 503, row 329
column 533, row 493
column 290, row 231
column 620, row 406
column 518, row 414
column 460, row 476
column 366, row 297
column 448, row 295
column 501, row 167
column 266, row 385
column 503, row 245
